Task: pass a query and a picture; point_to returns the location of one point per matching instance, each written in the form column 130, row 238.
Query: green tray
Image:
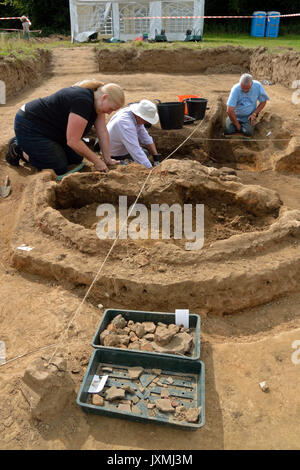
column 141, row 316
column 188, row 387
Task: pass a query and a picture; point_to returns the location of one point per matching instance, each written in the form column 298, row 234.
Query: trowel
column 5, row 189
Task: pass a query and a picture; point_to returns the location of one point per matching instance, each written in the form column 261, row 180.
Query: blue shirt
column 245, row 103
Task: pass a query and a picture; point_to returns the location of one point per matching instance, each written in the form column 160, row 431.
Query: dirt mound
column 66, row 250
column 170, row 60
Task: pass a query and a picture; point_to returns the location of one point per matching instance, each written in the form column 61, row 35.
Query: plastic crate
column 188, row 387
column 141, row 316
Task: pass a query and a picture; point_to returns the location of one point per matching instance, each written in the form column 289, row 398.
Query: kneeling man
column 127, row 133
column 242, row 109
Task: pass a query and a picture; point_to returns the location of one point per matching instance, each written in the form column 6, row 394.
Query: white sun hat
column 146, row 110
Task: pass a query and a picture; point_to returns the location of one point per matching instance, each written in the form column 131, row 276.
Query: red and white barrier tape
column 15, row 18
column 202, row 17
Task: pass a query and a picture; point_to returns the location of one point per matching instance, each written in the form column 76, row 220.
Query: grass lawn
column 20, row 48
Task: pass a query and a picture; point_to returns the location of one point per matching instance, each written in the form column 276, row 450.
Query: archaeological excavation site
column 75, row 306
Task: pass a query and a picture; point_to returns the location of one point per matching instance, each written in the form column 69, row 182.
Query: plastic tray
column 188, row 387
column 141, row 316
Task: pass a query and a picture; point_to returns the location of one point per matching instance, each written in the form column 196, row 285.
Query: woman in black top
column 49, row 130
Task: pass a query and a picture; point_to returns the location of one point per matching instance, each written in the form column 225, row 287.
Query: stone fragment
column 156, row 372
column 258, row 200
column 163, row 335
column 161, row 269
column 135, row 345
column 119, row 321
column 149, row 337
column 164, row 405
column 170, row 380
column 130, row 325
column 112, row 340
column 124, row 339
column 145, row 345
column 164, row 393
column 163, row 325
column 192, row 414
column 150, row 406
column 107, row 369
column 134, row 372
column 179, row 344
column 111, row 327
column 114, row 393
column 128, row 389
column 139, row 330
column 141, row 389
column 135, row 399
column 124, row 407
column 103, row 336
column 264, row 387
column 180, row 412
column 149, row 327
column 47, row 388
column 133, row 337
column 174, row 328
column 174, row 403
column 227, row 171
column 97, row 400
column 136, row 410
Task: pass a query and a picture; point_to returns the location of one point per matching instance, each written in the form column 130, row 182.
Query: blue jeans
column 230, row 128
column 43, row 152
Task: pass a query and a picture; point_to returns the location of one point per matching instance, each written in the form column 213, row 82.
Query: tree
column 52, row 14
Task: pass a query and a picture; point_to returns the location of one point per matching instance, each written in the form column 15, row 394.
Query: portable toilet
column 272, row 24
column 258, row 24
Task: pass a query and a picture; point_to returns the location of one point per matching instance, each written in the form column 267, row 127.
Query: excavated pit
column 251, row 252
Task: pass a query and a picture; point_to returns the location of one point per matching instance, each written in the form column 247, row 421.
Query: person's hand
column 100, row 166
column 238, row 127
column 111, row 161
column 252, row 118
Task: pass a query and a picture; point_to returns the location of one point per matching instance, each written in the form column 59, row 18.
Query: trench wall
column 19, row 74
column 281, row 68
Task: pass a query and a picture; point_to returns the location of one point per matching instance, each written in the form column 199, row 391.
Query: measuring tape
column 201, row 17
column 15, row 18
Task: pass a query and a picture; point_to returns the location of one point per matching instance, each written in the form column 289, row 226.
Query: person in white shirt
column 127, row 133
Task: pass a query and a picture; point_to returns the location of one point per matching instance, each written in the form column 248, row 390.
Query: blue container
column 272, row 24
column 258, row 24
column 141, row 316
column 188, row 386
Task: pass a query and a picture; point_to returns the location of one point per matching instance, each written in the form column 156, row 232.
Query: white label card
column 97, row 384
column 182, row 317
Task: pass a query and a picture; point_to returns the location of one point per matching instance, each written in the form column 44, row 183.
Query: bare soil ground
column 239, row 351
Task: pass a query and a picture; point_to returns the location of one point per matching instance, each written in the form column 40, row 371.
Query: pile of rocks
column 135, row 397
column 147, row 336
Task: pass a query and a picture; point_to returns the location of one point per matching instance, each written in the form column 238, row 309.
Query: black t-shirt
column 51, row 113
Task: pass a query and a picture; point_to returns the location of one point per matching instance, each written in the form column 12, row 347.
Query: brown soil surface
column 239, row 351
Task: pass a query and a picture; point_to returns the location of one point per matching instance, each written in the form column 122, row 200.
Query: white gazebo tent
column 109, row 18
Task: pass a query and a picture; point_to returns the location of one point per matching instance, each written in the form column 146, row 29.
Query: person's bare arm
column 152, row 149
column 232, row 116
column 74, row 133
column 103, row 136
column 255, row 113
